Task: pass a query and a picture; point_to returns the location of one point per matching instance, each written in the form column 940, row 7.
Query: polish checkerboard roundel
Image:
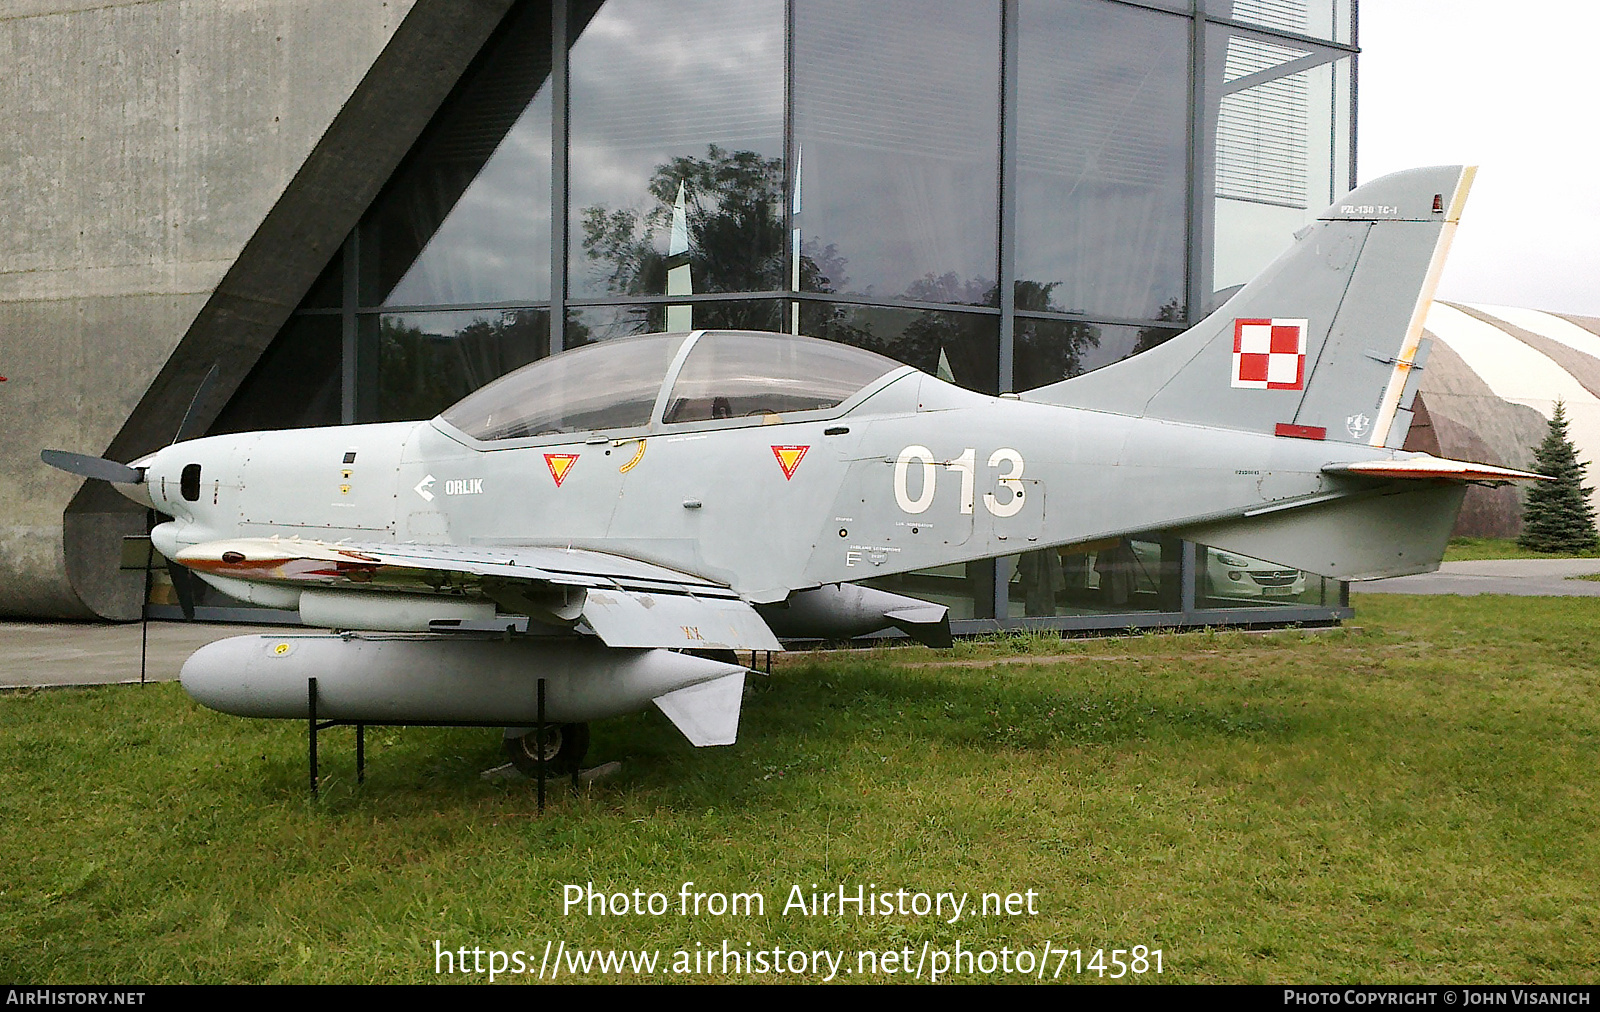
column 1269, row 354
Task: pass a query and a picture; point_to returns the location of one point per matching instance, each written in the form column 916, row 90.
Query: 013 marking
column 921, row 459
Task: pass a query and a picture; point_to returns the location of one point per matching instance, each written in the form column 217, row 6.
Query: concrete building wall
column 141, row 146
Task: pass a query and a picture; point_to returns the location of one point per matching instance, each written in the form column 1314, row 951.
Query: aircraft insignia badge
column 1269, row 354
column 560, row 465
column 789, row 458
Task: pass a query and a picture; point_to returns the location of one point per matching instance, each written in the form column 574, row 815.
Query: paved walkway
column 87, row 653
column 1523, row 577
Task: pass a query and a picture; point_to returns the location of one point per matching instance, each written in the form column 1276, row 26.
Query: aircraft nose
column 162, row 480
column 139, row 492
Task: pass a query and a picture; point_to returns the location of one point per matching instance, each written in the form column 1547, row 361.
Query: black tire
column 565, row 746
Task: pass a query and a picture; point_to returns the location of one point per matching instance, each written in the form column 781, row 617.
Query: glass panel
column 1231, row 580
column 1048, row 351
column 739, row 375
column 305, row 358
column 467, row 217
column 676, row 173
column 1321, row 19
column 428, row 361
column 612, row 385
column 1118, row 575
column 1280, row 117
column 961, row 347
column 606, row 323
column 967, row 589
column 1102, row 160
column 1177, row 6
column 896, row 115
column 740, row 315
column 587, row 324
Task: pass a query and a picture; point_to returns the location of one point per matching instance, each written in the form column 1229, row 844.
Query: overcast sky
column 1513, row 89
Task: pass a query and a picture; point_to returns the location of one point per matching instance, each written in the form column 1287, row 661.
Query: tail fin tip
column 1327, row 337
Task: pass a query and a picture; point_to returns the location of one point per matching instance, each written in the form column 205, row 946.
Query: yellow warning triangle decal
column 560, row 464
column 789, row 458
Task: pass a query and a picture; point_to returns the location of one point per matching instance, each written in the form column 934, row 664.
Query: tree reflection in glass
column 734, row 205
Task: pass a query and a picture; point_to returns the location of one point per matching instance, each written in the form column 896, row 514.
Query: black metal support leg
column 361, row 753
column 311, row 729
column 539, row 744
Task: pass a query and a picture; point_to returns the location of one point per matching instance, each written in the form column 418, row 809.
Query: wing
column 627, row 603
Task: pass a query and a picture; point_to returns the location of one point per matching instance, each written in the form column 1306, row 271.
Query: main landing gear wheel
column 565, row 745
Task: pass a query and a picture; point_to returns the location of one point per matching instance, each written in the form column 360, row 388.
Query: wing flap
column 634, row 619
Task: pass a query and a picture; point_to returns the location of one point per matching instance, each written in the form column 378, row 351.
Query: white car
column 1230, row 575
column 1227, row 575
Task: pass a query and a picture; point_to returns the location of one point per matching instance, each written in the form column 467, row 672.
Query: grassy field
column 1466, row 549
column 1416, row 802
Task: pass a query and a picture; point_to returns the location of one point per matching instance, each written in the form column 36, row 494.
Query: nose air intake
column 189, row 482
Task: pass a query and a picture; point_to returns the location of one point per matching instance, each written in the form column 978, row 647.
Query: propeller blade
column 183, row 584
column 92, row 467
column 187, row 427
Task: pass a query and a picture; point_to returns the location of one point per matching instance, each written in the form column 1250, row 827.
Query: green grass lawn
column 1466, row 549
column 1413, row 802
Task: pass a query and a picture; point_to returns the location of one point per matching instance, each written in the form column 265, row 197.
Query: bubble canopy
column 712, row 376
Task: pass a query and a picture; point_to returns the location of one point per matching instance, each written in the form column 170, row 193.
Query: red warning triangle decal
column 560, row 464
column 789, row 458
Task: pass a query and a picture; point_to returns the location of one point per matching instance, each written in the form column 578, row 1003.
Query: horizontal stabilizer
column 1433, row 467
column 707, row 713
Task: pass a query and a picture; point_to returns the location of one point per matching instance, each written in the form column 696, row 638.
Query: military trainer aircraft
column 623, row 505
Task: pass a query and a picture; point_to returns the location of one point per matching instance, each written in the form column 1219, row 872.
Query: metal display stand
column 314, row 725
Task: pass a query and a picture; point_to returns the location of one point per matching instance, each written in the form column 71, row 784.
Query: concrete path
column 1523, row 577
column 85, row 653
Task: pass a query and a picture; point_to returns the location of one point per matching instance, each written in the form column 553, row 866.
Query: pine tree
column 1557, row 515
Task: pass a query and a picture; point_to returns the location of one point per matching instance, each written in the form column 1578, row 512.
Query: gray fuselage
column 911, row 473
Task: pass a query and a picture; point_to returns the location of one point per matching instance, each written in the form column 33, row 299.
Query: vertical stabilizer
column 1325, row 344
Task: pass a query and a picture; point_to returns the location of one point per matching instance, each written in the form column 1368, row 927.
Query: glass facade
column 675, row 139
column 1279, row 111
column 1005, row 193
column 1103, row 106
column 897, row 156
